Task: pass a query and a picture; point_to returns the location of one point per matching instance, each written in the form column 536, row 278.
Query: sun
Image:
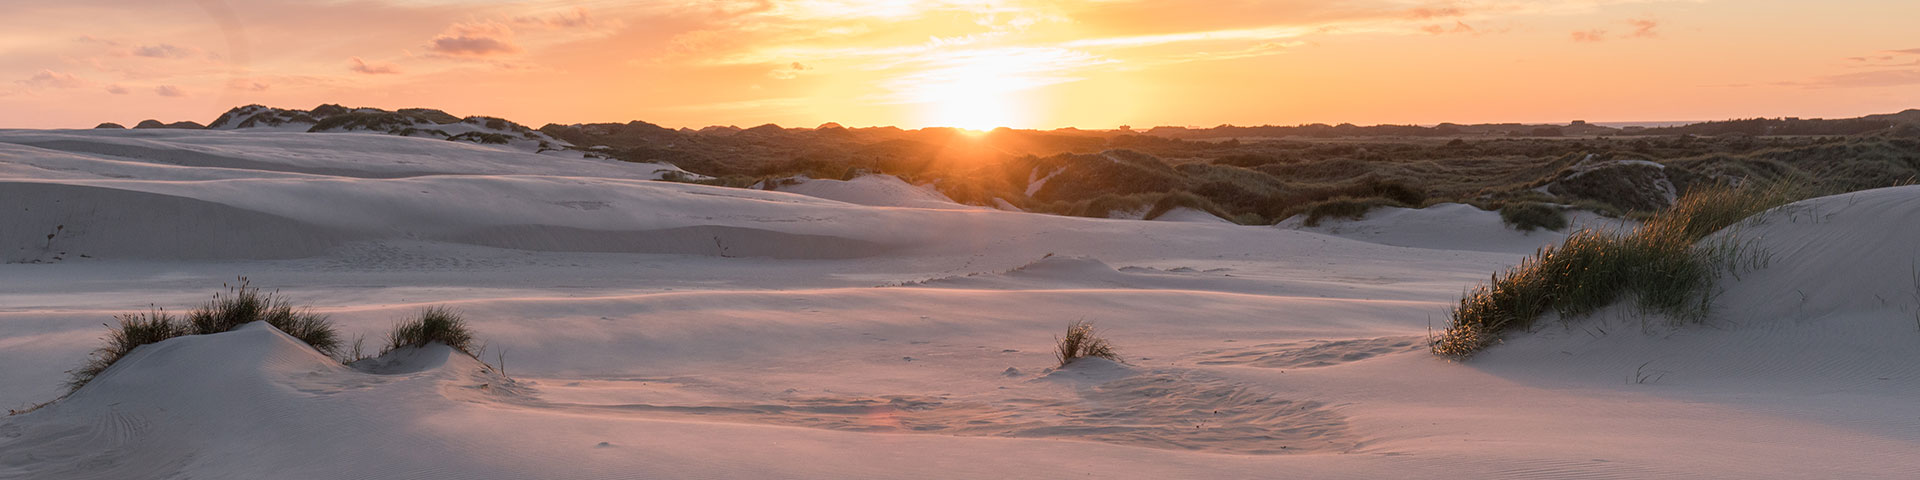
column 978, row 90
column 979, row 110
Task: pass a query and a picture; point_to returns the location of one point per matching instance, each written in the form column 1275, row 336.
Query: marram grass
column 1662, row 265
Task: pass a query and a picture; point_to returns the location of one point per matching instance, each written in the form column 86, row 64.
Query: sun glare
column 982, row 89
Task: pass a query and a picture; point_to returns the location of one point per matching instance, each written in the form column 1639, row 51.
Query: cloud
column 1594, row 35
column 1458, row 27
column 52, row 79
column 116, row 89
column 247, row 85
column 1878, row 78
column 790, row 71
column 1426, row 13
column 163, row 51
column 357, row 65
column 574, row 18
column 1644, row 28
column 169, row 91
column 474, row 40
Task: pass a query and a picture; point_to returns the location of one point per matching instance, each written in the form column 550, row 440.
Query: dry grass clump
column 1080, row 342
column 243, row 304
column 135, row 329
column 1661, row 264
column 434, row 324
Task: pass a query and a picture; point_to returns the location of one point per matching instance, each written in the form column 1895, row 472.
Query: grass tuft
column 243, row 304
column 1529, row 216
column 1661, row 264
column 135, row 329
column 1080, row 342
column 434, row 324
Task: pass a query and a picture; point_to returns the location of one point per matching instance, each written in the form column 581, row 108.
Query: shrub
column 135, row 329
column 1660, row 263
column 1082, row 342
column 244, row 304
column 434, row 324
column 1340, row 207
column 1527, row 216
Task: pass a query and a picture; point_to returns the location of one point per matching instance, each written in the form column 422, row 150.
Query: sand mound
column 873, row 190
column 1835, row 301
column 1188, row 215
column 1449, row 226
column 202, row 403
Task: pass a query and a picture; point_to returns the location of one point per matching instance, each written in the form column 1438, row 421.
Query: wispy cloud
column 357, row 65
column 1644, row 28
column 169, row 91
column 163, row 51
column 474, row 40
column 53, row 79
column 1872, row 79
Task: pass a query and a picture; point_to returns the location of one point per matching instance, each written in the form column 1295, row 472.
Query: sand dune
column 864, row 329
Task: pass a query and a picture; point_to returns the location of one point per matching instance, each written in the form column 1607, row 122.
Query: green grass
column 243, row 304
column 135, row 329
column 1080, row 342
column 1530, row 216
column 1662, row 265
column 433, row 325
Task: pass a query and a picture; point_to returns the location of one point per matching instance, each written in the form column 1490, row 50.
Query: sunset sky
column 968, row 63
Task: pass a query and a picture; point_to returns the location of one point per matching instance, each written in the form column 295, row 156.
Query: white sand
column 655, row 329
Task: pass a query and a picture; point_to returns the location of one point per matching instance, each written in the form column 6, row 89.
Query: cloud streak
column 474, row 40
column 357, row 65
column 52, row 79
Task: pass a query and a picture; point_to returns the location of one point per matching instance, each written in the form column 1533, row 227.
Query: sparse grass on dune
column 434, row 324
column 243, row 304
column 135, row 329
column 1080, row 342
column 1661, row 264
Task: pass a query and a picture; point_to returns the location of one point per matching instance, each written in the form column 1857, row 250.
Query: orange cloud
column 357, row 65
column 1644, row 28
column 52, row 79
column 474, row 40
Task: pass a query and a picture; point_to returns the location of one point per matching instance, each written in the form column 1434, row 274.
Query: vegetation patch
column 240, row 305
column 1080, row 342
column 135, row 329
column 243, row 304
column 1341, row 208
column 433, row 325
column 1661, row 264
column 1530, row 216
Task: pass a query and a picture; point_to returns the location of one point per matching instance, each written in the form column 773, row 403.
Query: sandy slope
column 653, row 329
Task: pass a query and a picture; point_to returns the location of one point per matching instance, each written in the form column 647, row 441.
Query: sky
column 965, row 63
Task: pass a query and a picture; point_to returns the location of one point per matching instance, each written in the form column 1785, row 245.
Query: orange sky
column 970, row 63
